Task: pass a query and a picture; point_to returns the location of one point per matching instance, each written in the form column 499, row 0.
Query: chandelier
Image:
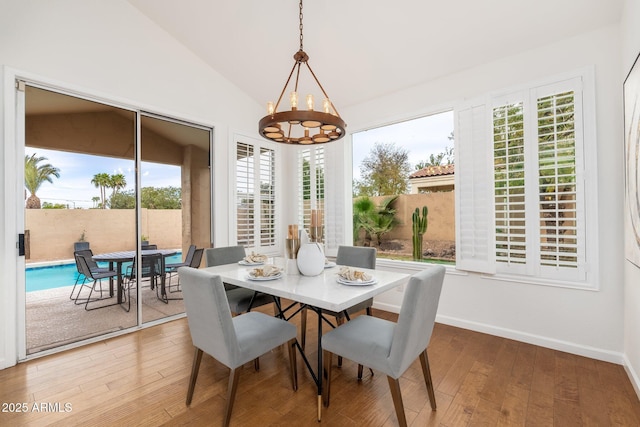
column 300, row 126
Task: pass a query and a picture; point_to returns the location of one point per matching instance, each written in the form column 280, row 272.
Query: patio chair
column 93, row 266
column 95, row 278
column 391, row 347
column 172, row 268
column 195, row 261
column 153, row 271
column 233, row 341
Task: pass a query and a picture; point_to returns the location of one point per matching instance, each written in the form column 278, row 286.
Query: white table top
column 321, row 291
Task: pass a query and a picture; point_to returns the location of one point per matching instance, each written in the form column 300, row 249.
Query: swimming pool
column 56, row 276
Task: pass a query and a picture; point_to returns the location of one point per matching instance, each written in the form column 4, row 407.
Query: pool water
column 55, row 276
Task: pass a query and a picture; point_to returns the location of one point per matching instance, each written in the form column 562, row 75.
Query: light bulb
column 294, row 100
column 310, row 102
column 270, row 108
column 326, row 105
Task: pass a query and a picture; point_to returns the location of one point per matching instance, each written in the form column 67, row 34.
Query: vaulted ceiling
column 364, row 49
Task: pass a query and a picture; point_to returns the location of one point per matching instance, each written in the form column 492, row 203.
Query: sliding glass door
column 92, row 189
column 175, row 200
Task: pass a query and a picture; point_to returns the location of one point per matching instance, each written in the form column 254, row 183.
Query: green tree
column 151, row 198
column 385, row 171
column 35, row 174
column 102, row 181
column 123, row 200
column 444, row 158
column 47, row 205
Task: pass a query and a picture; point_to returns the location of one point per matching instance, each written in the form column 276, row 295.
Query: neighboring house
column 432, row 179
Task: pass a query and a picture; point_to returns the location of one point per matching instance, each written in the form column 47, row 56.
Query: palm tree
column 102, row 181
column 117, row 182
column 35, row 175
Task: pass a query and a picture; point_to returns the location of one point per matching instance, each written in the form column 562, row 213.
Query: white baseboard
column 569, row 347
column 633, row 375
column 392, row 308
column 552, row 343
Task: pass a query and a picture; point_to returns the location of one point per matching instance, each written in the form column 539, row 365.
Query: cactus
column 419, row 228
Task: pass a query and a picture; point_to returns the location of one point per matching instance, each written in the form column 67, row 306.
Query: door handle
column 21, row 244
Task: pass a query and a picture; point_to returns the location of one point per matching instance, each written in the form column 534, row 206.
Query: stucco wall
column 52, row 232
column 441, row 218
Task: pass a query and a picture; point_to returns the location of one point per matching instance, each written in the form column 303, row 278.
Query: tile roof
column 433, row 171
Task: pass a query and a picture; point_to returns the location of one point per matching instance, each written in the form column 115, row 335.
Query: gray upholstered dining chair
column 387, row 346
column 353, row 256
column 241, row 300
column 233, row 341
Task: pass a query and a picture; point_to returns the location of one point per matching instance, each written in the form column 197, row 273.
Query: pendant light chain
column 300, row 16
column 299, row 125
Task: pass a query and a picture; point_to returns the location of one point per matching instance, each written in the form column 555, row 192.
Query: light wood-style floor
column 141, row 379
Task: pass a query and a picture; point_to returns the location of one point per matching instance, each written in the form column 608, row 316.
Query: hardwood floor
column 141, row 379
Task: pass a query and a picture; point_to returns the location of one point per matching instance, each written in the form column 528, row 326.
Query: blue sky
column 421, row 137
column 74, row 186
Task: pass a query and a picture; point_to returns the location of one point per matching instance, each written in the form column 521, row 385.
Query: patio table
column 126, row 256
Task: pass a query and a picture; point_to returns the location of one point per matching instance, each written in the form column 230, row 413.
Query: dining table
column 120, row 257
column 321, row 292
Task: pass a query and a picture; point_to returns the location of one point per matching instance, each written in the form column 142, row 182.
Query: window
column 397, row 169
column 311, row 183
column 535, row 210
column 255, row 196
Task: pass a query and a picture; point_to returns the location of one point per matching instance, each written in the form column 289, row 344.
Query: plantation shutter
column 561, row 199
column 335, row 207
column 511, row 181
column 255, row 196
column 267, row 207
column 245, row 200
column 474, row 185
column 310, row 184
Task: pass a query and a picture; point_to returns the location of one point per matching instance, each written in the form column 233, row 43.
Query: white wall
column 583, row 322
column 106, row 48
column 630, row 50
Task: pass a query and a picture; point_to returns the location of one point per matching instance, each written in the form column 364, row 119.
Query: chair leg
column 426, row 371
column 340, row 321
column 326, row 374
column 303, row 326
column 256, row 363
column 394, row 385
column 293, row 366
column 234, row 375
column 197, row 358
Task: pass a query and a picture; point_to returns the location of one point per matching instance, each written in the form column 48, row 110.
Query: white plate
column 243, row 262
column 260, row 278
column 330, row 265
column 342, row 281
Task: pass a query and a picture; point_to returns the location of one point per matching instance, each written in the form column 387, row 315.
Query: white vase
column 310, row 259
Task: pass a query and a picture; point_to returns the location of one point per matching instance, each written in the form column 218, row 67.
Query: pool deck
column 54, row 320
